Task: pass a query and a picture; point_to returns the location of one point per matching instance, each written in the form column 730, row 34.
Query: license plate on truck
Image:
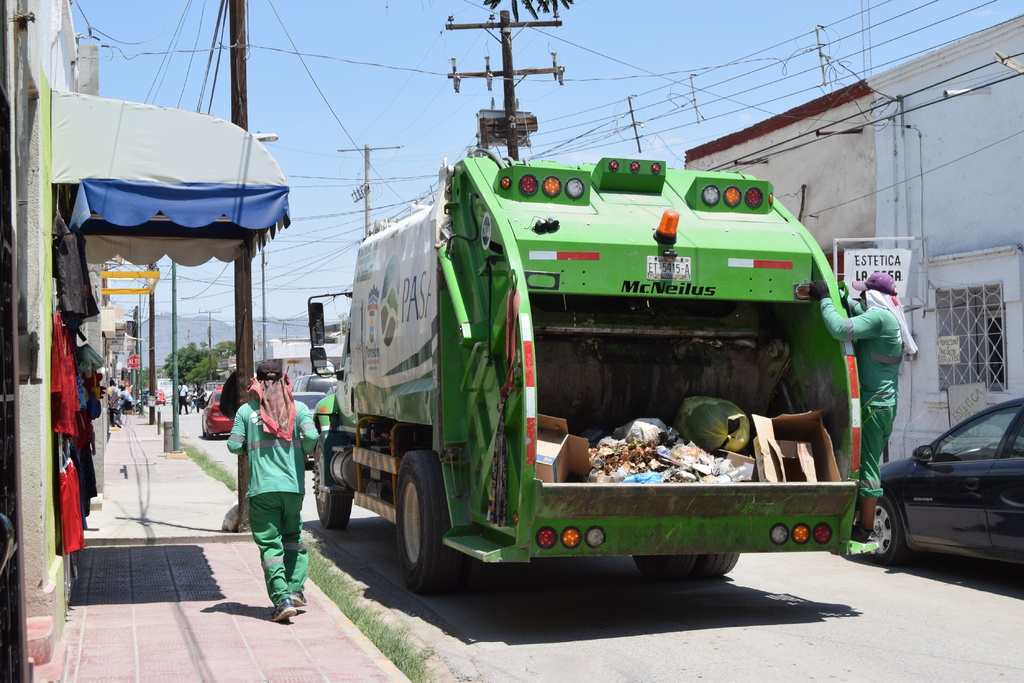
column 664, row 268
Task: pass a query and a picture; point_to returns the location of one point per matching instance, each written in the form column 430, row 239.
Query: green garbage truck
column 530, row 302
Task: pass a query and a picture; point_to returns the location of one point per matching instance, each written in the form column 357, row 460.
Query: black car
column 961, row 494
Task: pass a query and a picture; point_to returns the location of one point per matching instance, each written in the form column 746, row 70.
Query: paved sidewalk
column 164, row 595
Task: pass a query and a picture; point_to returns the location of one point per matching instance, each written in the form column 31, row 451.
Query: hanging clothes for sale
column 64, row 396
column 74, row 291
column 72, row 530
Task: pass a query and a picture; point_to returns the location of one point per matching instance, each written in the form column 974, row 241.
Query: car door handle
column 972, row 483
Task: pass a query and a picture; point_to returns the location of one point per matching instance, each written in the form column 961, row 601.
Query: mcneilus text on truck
column 594, row 294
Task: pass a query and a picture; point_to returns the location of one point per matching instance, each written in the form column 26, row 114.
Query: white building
column 924, row 157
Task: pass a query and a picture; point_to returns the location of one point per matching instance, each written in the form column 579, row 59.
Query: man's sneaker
column 284, row 610
column 298, row 598
column 860, row 534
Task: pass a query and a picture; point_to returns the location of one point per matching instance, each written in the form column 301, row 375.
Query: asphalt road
column 776, row 617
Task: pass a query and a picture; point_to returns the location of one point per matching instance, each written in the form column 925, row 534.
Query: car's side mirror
column 923, row 454
column 318, row 359
column 317, row 336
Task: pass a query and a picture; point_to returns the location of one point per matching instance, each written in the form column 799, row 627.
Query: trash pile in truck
column 646, row 452
column 705, row 444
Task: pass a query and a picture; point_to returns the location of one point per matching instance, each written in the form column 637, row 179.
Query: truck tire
column 333, row 510
column 664, row 567
column 713, row 565
column 891, row 536
column 428, row 566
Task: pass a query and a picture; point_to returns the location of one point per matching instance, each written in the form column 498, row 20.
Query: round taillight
column 779, row 534
column 710, row 195
column 552, row 186
column 732, row 195
column 529, row 185
column 822, row 533
column 574, row 188
column 547, row 538
column 634, row 166
column 571, row 537
column 505, row 182
column 655, row 168
column 801, row 533
column 595, row 537
column 754, row 197
column 771, row 199
column 613, row 165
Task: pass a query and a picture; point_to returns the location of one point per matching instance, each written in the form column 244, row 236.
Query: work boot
column 860, row 534
column 298, row 598
column 284, row 610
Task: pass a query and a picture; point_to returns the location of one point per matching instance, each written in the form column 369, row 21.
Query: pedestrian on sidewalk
column 278, row 433
column 183, row 398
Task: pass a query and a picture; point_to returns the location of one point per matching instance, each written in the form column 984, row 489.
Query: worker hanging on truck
column 881, row 337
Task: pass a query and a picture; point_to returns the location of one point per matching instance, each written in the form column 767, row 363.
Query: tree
column 194, row 361
column 543, row 5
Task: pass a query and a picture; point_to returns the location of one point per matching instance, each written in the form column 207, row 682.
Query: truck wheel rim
column 411, row 522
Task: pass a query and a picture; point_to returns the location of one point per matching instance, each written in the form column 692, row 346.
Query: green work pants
column 276, row 523
column 876, row 428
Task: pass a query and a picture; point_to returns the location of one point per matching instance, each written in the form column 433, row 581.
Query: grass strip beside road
column 212, row 467
column 394, row 641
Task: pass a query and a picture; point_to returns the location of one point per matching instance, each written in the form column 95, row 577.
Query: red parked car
column 215, row 423
column 160, row 398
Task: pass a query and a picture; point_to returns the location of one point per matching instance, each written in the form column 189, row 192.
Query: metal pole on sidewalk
column 174, row 349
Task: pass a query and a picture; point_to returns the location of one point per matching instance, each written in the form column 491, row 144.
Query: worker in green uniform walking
column 881, row 337
column 277, row 433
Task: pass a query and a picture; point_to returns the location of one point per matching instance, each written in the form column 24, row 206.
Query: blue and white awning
column 154, row 181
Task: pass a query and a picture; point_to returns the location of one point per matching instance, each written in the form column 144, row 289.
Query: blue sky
column 328, row 75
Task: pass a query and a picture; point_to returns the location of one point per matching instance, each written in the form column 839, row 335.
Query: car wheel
column 334, row 511
column 890, row 534
column 714, row 565
column 665, row 567
column 428, row 565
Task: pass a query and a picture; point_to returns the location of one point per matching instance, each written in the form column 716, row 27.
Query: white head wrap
column 876, row 299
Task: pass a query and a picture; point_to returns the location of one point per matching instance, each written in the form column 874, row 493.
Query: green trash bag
column 713, row 423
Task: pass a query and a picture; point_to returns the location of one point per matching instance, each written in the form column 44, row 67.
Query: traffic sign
column 134, row 361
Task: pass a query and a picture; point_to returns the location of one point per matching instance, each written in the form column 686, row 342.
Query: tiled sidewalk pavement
column 199, row 612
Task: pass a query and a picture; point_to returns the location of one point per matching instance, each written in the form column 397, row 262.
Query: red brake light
column 613, row 165
column 655, row 168
column 528, row 185
column 634, row 166
column 822, row 533
column 666, row 232
column 546, row 538
column 754, row 197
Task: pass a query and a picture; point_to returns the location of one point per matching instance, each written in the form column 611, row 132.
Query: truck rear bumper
column 578, row 501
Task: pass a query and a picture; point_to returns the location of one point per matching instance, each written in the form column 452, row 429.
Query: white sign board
column 948, row 350
column 861, row 263
column 965, row 400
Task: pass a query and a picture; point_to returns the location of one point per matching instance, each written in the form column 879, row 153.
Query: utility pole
column 209, row 345
column 243, row 264
column 508, row 72
column 364, row 191
column 152, row 348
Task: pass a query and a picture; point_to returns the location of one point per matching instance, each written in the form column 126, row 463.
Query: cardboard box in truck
column 794, row 448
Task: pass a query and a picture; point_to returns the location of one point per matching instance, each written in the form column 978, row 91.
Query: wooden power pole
column 508, row 73
column 243, row 264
